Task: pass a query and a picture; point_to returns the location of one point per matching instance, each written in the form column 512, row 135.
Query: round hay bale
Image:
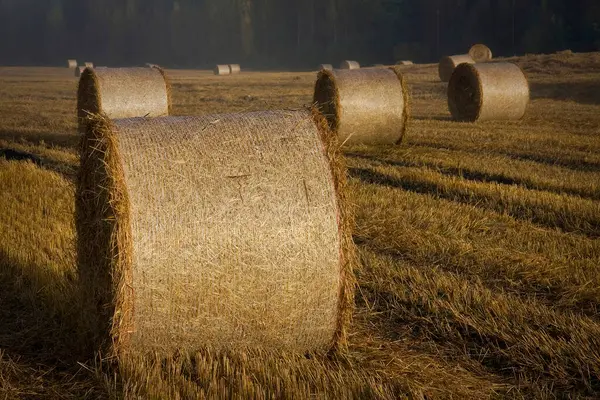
column 327, row 67
column 222, row 69
column 349, row 65
column 78, row 71
column 234, row 69
column 245, row 243
column 489, row 91
column 123, row 93
column 404, row 62
column 448, row 64
column 364, row 106
column 89, row 64
column 480, row 53
column 72, row 63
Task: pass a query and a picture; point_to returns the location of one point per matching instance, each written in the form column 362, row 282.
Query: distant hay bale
column 223, row 231
column 349, row 65
column 368, row 106
column 327, row 67
column 488, row 91
column 404, row 62
column 123, row 93
column 480, row 53
column 447, row 65
column 72, row 63
column 222, row 69
column 234, row 69
column 78, row 71
column 89, row 64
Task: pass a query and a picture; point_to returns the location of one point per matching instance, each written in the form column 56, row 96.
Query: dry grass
column 479, row 246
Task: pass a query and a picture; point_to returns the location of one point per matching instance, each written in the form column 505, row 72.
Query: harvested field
column 479, row 249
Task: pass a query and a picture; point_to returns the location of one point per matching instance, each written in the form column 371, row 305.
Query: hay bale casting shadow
column 244, row 243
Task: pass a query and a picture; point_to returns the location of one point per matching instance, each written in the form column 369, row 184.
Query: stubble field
column 479, row 247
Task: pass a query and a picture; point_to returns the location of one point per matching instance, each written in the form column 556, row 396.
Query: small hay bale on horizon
column 327, row 67
column 222, row 69
column 234, row 69
column 123, row 93
column 488, row 91
column 369, row 106
column 245, row 243
column 480, row 53
column 71, row 63
column 404, row 62
column 347, row 64
column 88, row 64
column 448, row 64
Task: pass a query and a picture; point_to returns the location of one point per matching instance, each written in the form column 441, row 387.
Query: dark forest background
column 286, row 33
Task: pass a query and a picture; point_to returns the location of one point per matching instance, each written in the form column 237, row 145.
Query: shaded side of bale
column 88, row 64
column 78, row 71
column 448, row 64
column 480, row 53
column 123, row 93
column 369, row 106
column 489, row 91
column 222, row 69
column 327, row 67
column 235, row 69
column 71, row 63
column 349, row 65
column 246, row 244
column 404, row 62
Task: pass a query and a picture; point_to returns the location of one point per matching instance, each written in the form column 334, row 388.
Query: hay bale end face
column 488, row 91
column 327, row 67
column 222, row 69
column 123, row 93
column 448, row 64
column 235, row 69
column 480, row 53
column 367, row 106
column 72, row 64
column 245, row 244
column 349, row 65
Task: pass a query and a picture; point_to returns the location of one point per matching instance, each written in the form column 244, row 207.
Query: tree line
column 286, row 33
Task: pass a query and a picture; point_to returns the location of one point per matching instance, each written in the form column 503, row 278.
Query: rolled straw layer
column 222, row 69
column 72, row 64
column 489, row 91
column 123, row 93
column 364, row 106
column 448, row 64
column 480, row 53
column 235, row 69
column 349, row 65
column 245, row 243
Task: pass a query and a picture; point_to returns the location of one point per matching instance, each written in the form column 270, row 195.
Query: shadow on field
column 66, row 140
column 580, row 92
column 68, row 171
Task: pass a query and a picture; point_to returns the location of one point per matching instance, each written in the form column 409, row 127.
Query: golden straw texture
column 123, row 93
column 368, row 106
column 447, row 65
column 72, row 63
column 235, row 69
column 327, row 67
column 349, row 65
column 222, row 69
column 224, row 231
column 480, row 53
column 489, row 91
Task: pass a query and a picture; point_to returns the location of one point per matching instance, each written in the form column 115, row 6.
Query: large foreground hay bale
column 480, row 53
column 72, row 64
column 123, row 93
column 364, row 106
column 222, row 69
column 235, row 69
column 224, row 231
column 327, row 67
column 448, row 64
column 489, row 91
column 349, row 65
